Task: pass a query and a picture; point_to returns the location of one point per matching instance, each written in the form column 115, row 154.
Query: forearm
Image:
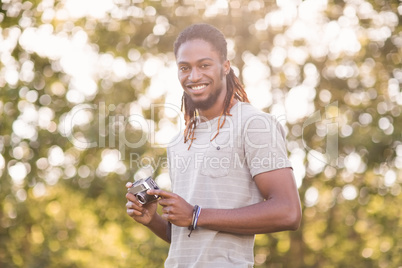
column 160, row 227
column 264, row 217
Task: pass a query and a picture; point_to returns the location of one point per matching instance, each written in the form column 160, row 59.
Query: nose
column 195, row 75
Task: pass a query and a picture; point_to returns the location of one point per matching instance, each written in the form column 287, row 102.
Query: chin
column 203, row 104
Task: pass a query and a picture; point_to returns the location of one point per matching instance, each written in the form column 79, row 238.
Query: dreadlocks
column 235, row 89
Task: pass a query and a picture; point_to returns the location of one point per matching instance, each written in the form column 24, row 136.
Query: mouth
column 197, row 87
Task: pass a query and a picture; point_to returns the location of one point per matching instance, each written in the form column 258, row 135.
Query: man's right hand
column 140, row 213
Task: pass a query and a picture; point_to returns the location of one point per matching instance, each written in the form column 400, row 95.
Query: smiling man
column 202, row 78
column 238, row 181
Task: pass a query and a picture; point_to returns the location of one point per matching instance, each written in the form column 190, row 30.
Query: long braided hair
column 235, row 89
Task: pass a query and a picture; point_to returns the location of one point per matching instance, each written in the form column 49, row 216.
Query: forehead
column 195, row 50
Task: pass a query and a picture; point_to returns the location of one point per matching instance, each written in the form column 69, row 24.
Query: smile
column 198, row 87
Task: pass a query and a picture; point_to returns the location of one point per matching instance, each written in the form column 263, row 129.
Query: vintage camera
column 140, row 188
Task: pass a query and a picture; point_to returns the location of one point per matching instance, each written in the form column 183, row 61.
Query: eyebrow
column 198, row 61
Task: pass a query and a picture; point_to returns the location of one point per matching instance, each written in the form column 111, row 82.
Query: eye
column 204, row 66
column 184, row 68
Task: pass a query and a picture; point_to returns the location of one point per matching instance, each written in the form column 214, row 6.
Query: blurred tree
column 89, row 97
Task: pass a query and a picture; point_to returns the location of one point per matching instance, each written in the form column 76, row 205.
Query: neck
column 217, row 110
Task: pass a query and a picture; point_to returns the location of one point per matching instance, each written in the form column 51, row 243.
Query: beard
column 208, row 102
column 203, row 104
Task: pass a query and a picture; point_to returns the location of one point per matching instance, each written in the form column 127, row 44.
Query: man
column 231, row 178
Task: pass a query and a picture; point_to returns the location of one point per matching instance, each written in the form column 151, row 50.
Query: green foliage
column 78, row 89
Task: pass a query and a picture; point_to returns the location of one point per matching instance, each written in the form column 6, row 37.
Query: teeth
column 198, row 87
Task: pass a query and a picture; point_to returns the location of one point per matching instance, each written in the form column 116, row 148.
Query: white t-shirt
column 219, row 174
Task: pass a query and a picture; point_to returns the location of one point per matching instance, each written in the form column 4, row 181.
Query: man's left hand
column 175, row 209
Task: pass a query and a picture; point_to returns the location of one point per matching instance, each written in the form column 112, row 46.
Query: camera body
column 140, row 188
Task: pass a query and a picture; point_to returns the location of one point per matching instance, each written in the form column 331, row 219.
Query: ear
column 226, row 67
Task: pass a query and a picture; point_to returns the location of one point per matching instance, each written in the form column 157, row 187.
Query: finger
column 165, row 216
column 166, row 202
column 134, row 209
column 132, row 198
column 133, row 212
column 135, row 205
column 132, row 205
column 161, row 193
column 129, row 184
column 166, row 210
column 129, row 204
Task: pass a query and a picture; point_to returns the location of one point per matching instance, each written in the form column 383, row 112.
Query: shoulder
column 246, row 109
column 255, row 118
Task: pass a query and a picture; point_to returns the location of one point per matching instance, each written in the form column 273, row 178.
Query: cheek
column 181, row 78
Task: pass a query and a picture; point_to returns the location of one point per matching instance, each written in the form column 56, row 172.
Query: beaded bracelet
column 196, row 214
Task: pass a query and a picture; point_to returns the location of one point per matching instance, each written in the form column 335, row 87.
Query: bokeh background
column 89, row 99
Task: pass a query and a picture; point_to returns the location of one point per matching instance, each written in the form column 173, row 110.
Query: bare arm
column 279, row 212
column 159, row 227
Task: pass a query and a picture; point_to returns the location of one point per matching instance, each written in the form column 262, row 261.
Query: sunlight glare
column 316, row 162
column 93, row 8
column 2, row 164
column 111, row 162
column 311, row 196
column 297, row 157
column 152, row 66
column 349, row 192
column 18, row 172
column 354, row 163
column 390, row 178
column 255, row 77
column 55, row 156
column 167, row 131
column 39, row 190
column 218, row 7
column 299, row 103
column 163, row 181
column 24, row 130
column 120, row 68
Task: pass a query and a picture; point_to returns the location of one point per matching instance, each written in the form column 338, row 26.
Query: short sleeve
column 264, row 144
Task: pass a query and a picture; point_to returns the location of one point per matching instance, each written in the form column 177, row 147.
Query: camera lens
column 142, row 199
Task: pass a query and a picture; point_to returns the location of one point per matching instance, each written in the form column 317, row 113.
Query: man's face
column 202, row 73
